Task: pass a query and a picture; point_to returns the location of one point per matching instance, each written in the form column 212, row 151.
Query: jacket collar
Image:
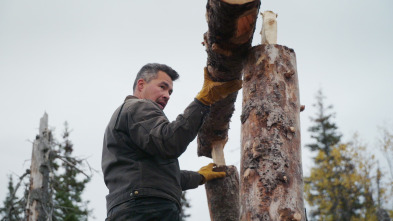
column 130, row 97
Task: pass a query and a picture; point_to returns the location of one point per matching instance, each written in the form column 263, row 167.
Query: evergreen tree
column 324, row 184
column 12, row 210
column 341, row 185
column 68, row 184
column 184, row 205
column 14, row 206
column 324, row 131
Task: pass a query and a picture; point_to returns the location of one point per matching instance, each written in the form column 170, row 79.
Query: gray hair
column 149, row 72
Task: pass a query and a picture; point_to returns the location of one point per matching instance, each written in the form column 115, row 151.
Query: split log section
column 223, row 196
column 271, row 181
column 231, row 27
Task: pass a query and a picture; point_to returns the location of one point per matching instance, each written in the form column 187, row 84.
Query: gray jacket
column 140, row 151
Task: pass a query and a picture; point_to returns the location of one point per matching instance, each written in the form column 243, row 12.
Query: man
column 141, row 147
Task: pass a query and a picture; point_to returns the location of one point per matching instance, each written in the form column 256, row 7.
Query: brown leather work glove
column 214, row 91
column 208, row 173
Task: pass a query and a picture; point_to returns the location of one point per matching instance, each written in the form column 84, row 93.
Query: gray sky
column 77, row 60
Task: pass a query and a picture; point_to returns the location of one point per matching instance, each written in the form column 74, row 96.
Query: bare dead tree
column 37, row 207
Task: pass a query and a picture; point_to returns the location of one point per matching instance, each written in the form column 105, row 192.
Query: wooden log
column 271, row 182
column 231, row 26
column 223, row 195
column 38, row 208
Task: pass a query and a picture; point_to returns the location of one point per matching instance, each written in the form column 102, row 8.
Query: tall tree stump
column 38, row 206
column 271, row 171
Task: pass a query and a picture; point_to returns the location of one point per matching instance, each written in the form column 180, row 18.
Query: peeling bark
column 271, row 170
column 223, row 195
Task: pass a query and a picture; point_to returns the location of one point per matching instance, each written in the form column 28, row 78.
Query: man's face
column 158, row 89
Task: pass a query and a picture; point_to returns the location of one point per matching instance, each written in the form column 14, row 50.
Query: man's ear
column 140, row 84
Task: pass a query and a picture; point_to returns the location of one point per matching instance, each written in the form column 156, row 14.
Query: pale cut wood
column 269, row 28
column 218, row 153
column 271, row 181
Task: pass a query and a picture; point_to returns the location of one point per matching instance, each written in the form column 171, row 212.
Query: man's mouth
column 161, row 104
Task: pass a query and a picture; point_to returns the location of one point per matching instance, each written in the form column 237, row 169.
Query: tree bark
column 231, row 28
column 271, row 170
column 37, row 208
column 223, row 195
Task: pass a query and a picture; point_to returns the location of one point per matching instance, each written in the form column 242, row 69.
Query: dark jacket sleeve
column 154, row 134
column 190, row 179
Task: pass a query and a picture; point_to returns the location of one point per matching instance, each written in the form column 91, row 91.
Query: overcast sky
column 77, row 60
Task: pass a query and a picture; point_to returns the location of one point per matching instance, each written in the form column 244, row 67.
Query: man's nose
column 166, row 95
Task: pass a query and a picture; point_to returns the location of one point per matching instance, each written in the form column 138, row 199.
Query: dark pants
column 145, row 209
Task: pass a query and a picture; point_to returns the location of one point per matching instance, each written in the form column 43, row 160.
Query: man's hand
column 208, row 173
column 214, row 91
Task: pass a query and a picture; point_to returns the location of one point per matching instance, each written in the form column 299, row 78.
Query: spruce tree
column 11, row 210
column 184, row 205
column 68, row 183
column 324, row 131
column 325, row 188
